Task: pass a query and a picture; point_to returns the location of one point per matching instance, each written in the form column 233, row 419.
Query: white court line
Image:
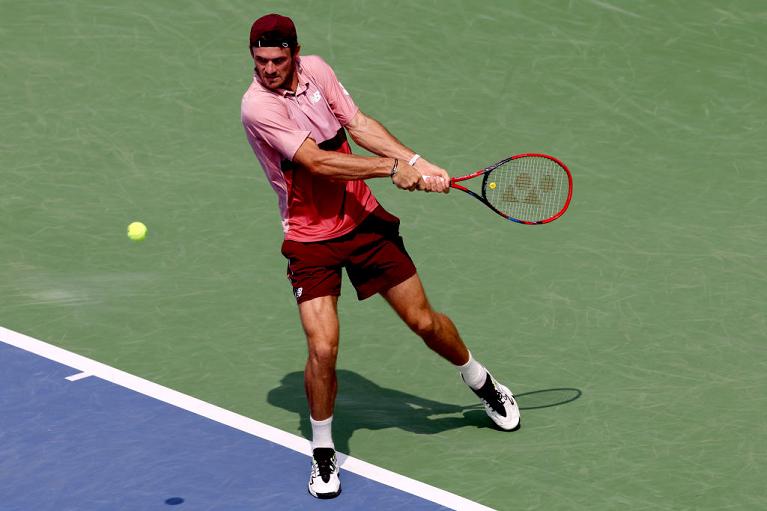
column 92, row 368
column 78, row 376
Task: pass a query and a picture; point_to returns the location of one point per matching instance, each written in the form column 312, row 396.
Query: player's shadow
column 362, row 404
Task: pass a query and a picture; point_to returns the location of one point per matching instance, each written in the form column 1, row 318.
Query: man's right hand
column 408, row 178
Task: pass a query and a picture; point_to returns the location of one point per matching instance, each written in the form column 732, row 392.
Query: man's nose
column 270, row 68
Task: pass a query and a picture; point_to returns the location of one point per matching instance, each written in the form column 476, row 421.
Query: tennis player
column 296, row 115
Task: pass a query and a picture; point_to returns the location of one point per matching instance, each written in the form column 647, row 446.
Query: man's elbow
column 310, row 157
column 358, row 126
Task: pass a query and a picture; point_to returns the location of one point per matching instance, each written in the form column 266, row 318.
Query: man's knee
column 424, row 322
column 323, row 353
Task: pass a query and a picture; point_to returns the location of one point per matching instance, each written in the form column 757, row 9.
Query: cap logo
column 271, row 43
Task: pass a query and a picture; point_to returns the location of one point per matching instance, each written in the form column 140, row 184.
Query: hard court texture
column 633, row 328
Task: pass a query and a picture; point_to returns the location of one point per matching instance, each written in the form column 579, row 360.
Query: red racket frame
column 484, row 172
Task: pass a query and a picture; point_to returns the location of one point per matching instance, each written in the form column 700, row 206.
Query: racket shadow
column 545, row 398
column 533, row 400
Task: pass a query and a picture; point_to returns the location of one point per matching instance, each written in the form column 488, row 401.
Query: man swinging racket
column 296, row 115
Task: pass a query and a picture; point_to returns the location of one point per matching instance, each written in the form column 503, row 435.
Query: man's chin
column 272, row 84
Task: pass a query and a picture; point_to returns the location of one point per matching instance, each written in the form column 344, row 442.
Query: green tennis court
column 633, row 328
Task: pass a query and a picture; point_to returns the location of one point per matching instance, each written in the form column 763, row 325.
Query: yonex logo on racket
column 524, row 183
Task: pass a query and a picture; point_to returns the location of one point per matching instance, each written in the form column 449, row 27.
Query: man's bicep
column 307, row 153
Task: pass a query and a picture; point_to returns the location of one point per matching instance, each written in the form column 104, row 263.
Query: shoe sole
column 515, row 428
column 325, row 496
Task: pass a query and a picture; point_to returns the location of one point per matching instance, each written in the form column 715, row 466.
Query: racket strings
column 531, row 188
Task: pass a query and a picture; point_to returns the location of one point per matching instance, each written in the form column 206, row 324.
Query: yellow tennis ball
column 492, row 186
column 137, row 231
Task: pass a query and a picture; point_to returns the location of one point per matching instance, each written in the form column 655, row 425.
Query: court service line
column 89, row 367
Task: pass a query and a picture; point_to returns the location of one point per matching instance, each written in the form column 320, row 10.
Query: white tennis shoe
column 499, row 403
column 324, row 482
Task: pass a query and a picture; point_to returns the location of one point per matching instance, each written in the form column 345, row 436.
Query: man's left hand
column 436, row 179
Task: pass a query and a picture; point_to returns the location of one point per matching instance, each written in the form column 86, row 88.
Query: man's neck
column 294, row 81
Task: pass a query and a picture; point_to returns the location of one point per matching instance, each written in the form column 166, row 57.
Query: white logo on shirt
column 316, row 96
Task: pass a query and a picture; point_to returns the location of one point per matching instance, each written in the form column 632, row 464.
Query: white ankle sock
column 321, row 433
column 474, row 373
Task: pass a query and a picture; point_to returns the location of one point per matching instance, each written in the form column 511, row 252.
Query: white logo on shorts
column 316, row 96
column 298, row 292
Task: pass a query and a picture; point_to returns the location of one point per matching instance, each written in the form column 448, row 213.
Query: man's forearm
column 340, row 166
column 348, row 167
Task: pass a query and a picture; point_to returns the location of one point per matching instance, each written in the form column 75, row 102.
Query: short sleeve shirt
column 312, row 207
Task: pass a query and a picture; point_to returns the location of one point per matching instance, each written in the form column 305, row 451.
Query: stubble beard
column 284, row 84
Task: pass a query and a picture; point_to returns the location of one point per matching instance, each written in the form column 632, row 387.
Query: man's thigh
column 408, row 299
column 319, row 318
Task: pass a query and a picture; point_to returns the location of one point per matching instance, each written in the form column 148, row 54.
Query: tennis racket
column 529, row 188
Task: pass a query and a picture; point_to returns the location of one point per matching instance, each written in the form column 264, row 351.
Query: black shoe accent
column 326, row 496
column 325, row 463
column 492, row 396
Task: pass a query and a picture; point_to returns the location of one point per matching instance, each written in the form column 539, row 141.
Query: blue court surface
column 70, row 440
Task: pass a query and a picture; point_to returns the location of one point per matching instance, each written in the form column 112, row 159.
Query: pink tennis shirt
column 313, row 208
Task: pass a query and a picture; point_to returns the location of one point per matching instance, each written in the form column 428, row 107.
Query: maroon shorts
column 373, row 254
